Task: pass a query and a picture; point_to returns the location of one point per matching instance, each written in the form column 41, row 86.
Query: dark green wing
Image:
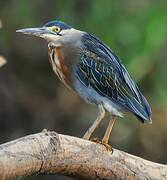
column 101, row 69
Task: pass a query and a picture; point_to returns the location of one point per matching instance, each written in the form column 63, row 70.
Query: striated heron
column 90, row 68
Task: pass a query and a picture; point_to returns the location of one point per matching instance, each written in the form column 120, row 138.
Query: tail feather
column 141, row 110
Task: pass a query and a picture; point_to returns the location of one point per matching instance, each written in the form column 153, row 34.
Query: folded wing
column 101, row 69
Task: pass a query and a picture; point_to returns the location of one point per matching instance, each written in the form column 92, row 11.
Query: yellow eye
column 56, row 29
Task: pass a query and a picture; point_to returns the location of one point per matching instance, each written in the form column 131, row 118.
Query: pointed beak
column 40, row 32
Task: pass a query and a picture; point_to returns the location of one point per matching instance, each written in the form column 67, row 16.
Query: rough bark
column 51, row 153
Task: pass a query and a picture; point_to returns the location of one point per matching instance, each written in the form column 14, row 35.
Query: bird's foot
column 108, row 147
column 96, row 140
column 105, row 143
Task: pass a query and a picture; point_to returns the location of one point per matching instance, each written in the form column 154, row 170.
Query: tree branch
column 51, row 153
column 2, row 61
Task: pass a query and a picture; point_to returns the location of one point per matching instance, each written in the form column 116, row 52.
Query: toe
column 108, row 147
column 96, row 140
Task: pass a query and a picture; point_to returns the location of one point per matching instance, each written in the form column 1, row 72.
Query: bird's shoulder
column 94, row 46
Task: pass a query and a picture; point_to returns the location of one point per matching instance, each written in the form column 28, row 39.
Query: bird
column 90, row 68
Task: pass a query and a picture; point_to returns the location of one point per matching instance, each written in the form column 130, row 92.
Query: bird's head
column 54, row 31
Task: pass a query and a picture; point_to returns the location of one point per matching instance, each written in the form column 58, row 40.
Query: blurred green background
column 31, row 96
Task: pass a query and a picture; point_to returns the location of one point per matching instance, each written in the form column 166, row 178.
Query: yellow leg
column 109, row 129
column 96, row 122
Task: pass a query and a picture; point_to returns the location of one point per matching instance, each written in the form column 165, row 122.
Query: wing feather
column 100, row 68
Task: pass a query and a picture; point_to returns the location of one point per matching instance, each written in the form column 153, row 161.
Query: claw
column 105, row 143
column 108, row 147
